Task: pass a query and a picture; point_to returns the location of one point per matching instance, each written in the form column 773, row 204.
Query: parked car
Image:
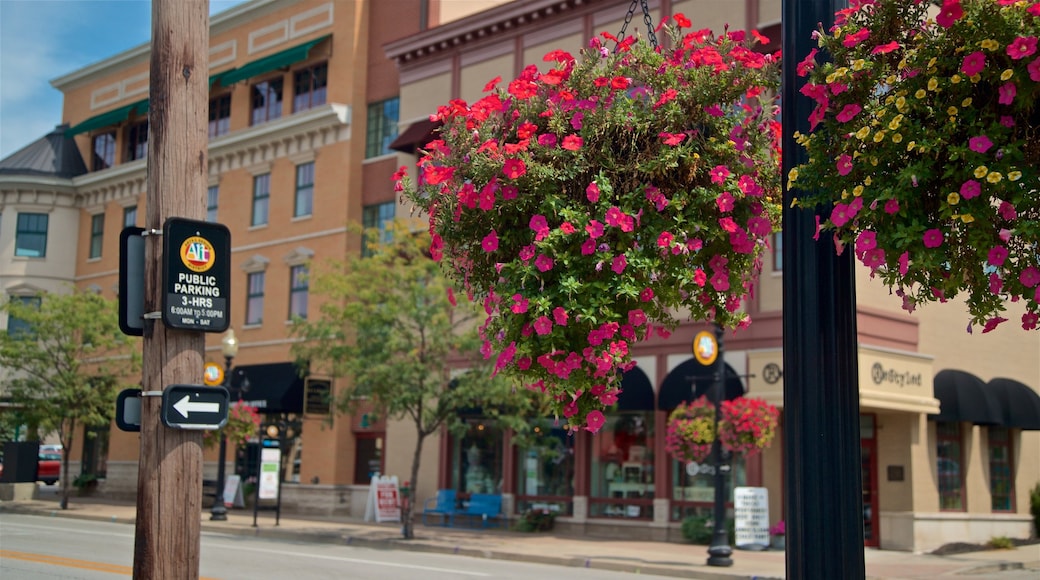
column 48, row 469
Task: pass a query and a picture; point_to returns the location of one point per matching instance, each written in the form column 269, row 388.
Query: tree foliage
column 389, row 324
column 64, row 360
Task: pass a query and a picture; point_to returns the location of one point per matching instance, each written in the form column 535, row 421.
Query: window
column 261, row 198
column 137, row 141
column 778, row 252
column 382, row 127
column 545, row 469
column 97, row 232
column 1001, row 474
column 477, row 458
column 255, row 298
column 18, row 327
column 130, row 216
column 622, row 483
column 950, row 455
column 304, row 190
column 31, row 235
column 267, row 101
column 376, row 216
column 104, row 148
column 309, row 87
column 212, row 195
column 219, row 116
column 298, row 290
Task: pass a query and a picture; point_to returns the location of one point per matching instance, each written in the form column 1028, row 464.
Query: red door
column 868, row 454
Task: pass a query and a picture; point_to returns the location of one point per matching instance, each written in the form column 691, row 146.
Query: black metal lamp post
column 720, row 551
column 229, row 347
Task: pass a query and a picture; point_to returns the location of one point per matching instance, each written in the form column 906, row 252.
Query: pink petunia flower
column 514, row 168
column 592, row 192
column 560, row 316
column 646, row 295
column 844, row 164
column 867, row 240
column 904, row 263
column 1034, row 69
column 992, row 323
column 933, row 238
column 848, row 112
column 997, row 255
column 973, row 63
column 547, row 140
column 572, row 143
column 720, row 281
column 665, row 240
column 892, row 206
column 594, row 421
column 540, row 226
column 637, row 318
column 1022, row 47
column 567, row 228
column 672, row 139
column 527, row 252
column 543, row 325
column 519, row 304
column 996, row 283
column 970, row 189
column 855, row 38
column 951, row 12
column 980, row 144
column 719, row 174
column 725, row 202
column 1007, row 93
column 588, row 247
column 619, row 264
column 840, row 214
column 1030, row 319
column 1007, row 211
column 699, row 277
column 543, row 263
column 490, row 242
column 885, row 48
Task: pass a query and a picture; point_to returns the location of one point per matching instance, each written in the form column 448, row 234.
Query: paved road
column 37, row 548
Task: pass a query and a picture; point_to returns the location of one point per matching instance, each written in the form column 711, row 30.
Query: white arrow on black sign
column 186, row 406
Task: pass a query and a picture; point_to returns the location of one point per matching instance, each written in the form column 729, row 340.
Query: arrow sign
column 194, row 407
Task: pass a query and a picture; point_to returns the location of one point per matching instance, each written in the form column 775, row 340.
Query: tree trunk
column 408, row 515
column 66, row 448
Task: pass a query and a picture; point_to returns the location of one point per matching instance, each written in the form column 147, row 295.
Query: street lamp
column 229, row 347
column 720, row 551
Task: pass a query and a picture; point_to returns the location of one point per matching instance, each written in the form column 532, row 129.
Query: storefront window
column 1001, row 478
column 950, row 455
column 545, row 470
column 623, row 467
column 693, row 486
column 477, row 457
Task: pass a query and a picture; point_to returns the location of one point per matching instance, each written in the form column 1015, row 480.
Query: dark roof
column 53, row 155
column 691, row 380
column 964, row 397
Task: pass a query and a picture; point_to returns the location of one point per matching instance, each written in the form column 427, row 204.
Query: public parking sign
column 196, row 275
column 194, row 407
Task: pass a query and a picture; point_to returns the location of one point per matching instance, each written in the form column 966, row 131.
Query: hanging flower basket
column 925, row 140
column 691, row 431
column 242, row 423
column 746, row 426
column 586, row 205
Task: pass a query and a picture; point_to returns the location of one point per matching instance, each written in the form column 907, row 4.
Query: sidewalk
column 665, row 559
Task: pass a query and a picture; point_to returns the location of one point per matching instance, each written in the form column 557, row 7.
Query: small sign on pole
column 270, row 460
column 194, row 407
column 751, row 517
column 196, row 275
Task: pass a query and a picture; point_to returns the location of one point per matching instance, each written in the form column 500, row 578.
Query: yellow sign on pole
column 213, row 375
column 705, row 348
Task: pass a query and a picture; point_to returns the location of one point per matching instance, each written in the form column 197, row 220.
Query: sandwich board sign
column 384, row 500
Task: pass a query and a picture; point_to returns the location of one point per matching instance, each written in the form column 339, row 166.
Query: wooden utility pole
column 169, row 482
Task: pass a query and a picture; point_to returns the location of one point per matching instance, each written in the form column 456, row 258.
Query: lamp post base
column 719, row 555
column 218, row 513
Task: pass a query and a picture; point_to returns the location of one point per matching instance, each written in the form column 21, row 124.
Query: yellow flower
column 873, row 161
column 981, row 171
column 879, row 136
column 897, row 138
column 844, row 194
column 894, row 123
column 966, row 102
column 792, row 176
column 901, row 103
column 952, row 111
column 868, row 181
column 933, row 84
column 920, row 94
column 910, row 145
column 931, row 62
column 955, row 79
column 994, row 177
column 857, row 191
column 863, row 133
column 1014, row 175
column 953, row 198
column 966, row 218
column 975, row 78
column 1007, row 74
column 858, row 64
column 890, row 80
column 989, row 44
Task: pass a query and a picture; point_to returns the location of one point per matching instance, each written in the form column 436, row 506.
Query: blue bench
column 484, row 508
column 443, row 506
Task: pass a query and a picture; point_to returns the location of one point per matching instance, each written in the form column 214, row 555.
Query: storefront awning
column 416, row 136
column 1019, row 404
column 272, row 388
column 637, row 392
column 109, row 118
column 269, row 63
column 678, row 386
column 964, row 397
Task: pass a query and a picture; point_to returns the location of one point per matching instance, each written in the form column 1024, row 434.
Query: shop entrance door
column 868, row 459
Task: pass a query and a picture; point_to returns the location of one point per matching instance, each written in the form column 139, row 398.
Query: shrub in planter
column 588, row 204
column 536, row 521
column 925, row 142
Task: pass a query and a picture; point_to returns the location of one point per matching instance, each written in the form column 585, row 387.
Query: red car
column 48, row 469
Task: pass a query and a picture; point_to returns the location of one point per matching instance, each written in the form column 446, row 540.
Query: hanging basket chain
column 646, row 20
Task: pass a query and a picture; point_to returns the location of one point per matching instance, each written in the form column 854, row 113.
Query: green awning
column 110, row 118
column 267, row 64
column 215, row 79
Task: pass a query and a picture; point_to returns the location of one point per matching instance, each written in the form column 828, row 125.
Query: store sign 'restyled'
column 197, row 275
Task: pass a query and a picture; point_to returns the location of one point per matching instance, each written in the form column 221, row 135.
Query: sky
column 41, row 40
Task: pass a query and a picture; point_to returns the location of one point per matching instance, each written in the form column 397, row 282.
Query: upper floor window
column 778, row 252
column 104, row 151
column 261, row 199
column 267, row 101
column 304, row 204
column 137, row 141
column 31, row 235
column 130, row 216
column 19, row 327
column 219, row 115
column 376, row 216
column 298, row 290
column 309, row 87
column 97, row 234
column 212, row 195
column 255, row 298
column 950, row 454
column 1001, row 474
column 382, row 126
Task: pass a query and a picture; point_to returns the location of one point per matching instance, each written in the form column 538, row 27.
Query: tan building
column 934, row 471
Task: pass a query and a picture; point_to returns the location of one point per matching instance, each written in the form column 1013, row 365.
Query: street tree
column 64, row 360
column 390, row 325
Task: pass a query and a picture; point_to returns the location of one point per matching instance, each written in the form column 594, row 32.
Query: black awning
column 678, row 386
column 272, row 388
column 1019, row 404
column 964, row 397
column 416, row 136
column 637, row 392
